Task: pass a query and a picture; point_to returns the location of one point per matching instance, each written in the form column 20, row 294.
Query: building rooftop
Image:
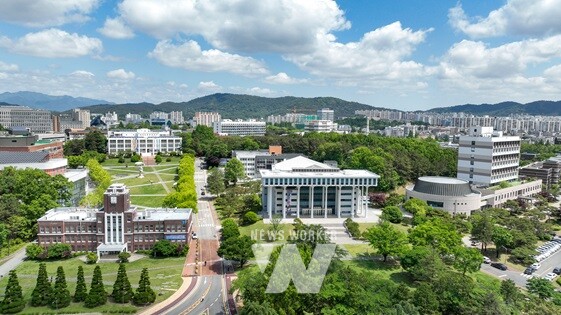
column 23, row 157
column 249, row 154
column 303, row 167
column 89, row 215
column 443, row 186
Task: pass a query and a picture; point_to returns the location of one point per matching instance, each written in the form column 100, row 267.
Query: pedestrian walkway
column 191, row 267
column 12, row 262
column 148, row 160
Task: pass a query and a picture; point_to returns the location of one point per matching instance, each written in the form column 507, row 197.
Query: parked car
column 498, row 265
column 550, row 276
column 557, row 270
column 486, row 260
column 529, row 271
column 536, row 266
column 194, row 236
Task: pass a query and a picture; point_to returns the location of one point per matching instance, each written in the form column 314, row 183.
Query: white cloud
column 40, row 13
column 379, row 55
column 517, row 17
column 53, row 43
column 116, row 28
column 8, row 67
column 189, row 56
column 283, row 78
column 272, row 25
column 120, row 74
column 208, row 86
column 82, row 74
column 260, row 91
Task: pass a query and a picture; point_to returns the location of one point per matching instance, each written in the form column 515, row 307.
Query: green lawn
column 259, row 231
column 154, row 189
column 165, row 278
column 358, row 249
column 390, row 270
column 147, row 201
column 140, row 181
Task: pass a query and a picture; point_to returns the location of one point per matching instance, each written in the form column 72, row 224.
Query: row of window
column 320, row 181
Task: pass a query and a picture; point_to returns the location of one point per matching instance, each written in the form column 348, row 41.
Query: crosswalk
column 206, row 224
column 527, row 276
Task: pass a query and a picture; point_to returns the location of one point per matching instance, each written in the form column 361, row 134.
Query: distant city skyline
column 406, row 55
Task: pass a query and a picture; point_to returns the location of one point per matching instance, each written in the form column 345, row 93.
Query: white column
column 338, row 201
column 269, row 201
column 353, row 201
column 284, row 202
column 298, row 202
column 106, row 227
column 367, row 202
column 325, row 201
column 312, row 201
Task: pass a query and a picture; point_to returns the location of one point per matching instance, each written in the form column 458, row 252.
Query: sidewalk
column 187, row 286
column 12, row 262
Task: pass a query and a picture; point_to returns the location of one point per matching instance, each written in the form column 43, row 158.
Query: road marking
column 502, row 276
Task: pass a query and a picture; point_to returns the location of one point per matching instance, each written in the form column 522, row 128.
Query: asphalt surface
column 12, row 262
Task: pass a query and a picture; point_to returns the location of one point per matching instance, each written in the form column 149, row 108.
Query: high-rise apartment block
column 486, row 157
column 37, row 120
column 206, row 119
column 326, row 114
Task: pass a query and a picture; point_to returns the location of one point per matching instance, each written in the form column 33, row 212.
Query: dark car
column 557, row 270
column 499, row 266
column 529, row 271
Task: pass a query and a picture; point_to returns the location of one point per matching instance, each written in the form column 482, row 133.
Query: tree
column 215, row 181
column 467, row 259
column 95, row 141
column 59, row 250
column 237, row 249
column 33, row 251
column 41, row 295
column 540, row 287
column 255, row 308
column 81, row 291
column 436, row 233
column 423, row 263
column 122, row 290
column 13, row 298
column 91, row 258
column 164, row 248
column 275, row 226
column 234, row 171
column 229, row 229
column 386, row 239
column 416, row 206
column 74, row 147
column 144, row 294
column 392, row 214
column 61, row 295
column 124, row 257
column 501, row 238
column 425, row 299
column 482, row 228
column 97, row 295
column 250, row 218
column 158, row 159
column 524, row 255
column 509, row 292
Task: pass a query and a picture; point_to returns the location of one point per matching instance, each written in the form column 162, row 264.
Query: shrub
column 135, row 158
column 144, row 294
column 33, row 251
column 168, row 159
column 392, row 214
column 250, row 217
column 121, row 159
column 124, row 257
column 97, row 295
column 158, row 159
column 91, row 258
column 352, row 227
column 59, row 250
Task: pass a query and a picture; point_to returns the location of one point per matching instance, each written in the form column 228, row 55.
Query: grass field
column 165, row 278
column 147, row 201
column 154, row 189
column 139, row 181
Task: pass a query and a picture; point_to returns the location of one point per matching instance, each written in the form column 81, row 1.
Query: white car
column 536, row 266
column 550, row 276
column 486, row 260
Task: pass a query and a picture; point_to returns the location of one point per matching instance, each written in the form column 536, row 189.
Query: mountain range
column 49, row 102
column 549, row 108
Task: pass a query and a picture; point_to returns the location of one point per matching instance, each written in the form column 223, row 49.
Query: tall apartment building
column 326, row 114
column 114, row 228
column 143, row 141
column 37, row 120
column 240, row 127
column 486, row 157
column 133, row 118
column 82, row 116
column 176, row 117
column 206, row 119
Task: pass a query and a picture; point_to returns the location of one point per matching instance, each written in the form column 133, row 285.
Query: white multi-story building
column 83, row 116
column 143, row 141
column 321, row 126
column 326, row 114
column 110, row 119
column 206, row 119
column 176, row 117
column 248, row 160
column 38, row 120
column 133, row 118
column 303, row 188
column 486, row 157
column 240, row 127
column 159, row 115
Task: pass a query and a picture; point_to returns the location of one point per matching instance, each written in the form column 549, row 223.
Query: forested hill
column 550, row 108
column 239, row 106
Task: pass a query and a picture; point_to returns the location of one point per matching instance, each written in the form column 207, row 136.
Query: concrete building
column 496, row 196
column 254, row 161
column 321, row 126
column 176, row 117
column 536, row 170
column 206, row 119
column 83, row 116
column 303, row 188
column 114, row 228
column 240, row 127
column 143, row 141
column 80, row 187
column 39, row 160
column 293, row 118
column 486, row 157
column 326, row 114
column 133, row 118
column 37, row 120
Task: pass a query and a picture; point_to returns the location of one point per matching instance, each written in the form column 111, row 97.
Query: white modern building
column 486, row 157
column 38, row 120
column 326, row 114
column 303, row 188
column 143, row 141
column 110, row 119
column 248, row 160
column 133, row 118
column 321, row 126
column 83, row 116
column 206, row 119
column 176, row 117
column 240, row 127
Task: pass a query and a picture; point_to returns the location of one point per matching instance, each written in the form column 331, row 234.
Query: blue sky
column 407, row 55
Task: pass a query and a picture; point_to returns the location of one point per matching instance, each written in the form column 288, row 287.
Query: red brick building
column 114, row 228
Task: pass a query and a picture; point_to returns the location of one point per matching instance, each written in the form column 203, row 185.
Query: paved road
column 13, row 262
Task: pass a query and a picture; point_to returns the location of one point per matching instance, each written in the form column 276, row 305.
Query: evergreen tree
column 41, row 295
column 81, row 290
column 97, row 295
column 13, row 299
column 122, row 290
column 61, row 296
column 144, row 294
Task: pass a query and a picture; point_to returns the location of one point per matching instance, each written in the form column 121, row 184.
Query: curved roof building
column 450, row 194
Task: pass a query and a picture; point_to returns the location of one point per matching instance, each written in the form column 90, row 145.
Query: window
column 473, row 143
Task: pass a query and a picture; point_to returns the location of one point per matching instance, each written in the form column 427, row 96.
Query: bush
column 352, row 228
column 124, row 257
column 165, row 248
column 91, row 258
column 392, row 214
column 250, row 217
column 158, row 159
column 33, row 251
column 59, row 250
column 135, row 158
column 168, row 159
column 121, row 159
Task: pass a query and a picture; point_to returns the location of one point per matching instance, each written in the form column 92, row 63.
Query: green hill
column 239, row 106
column 549, row 108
